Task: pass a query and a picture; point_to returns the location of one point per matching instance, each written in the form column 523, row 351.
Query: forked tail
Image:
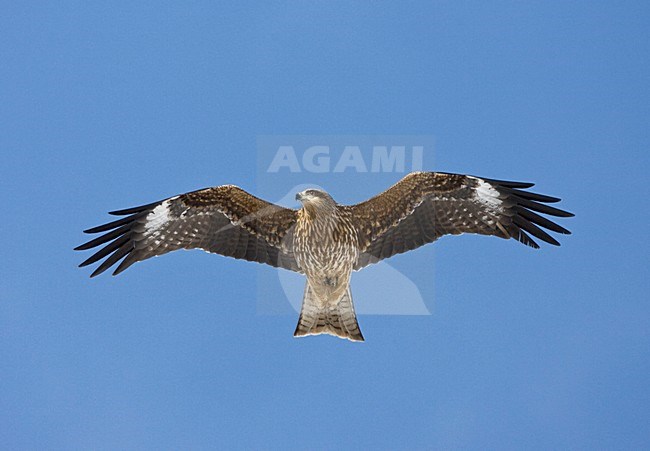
column 337, row 319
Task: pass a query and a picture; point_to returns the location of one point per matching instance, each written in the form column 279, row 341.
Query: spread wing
column 424, row 206
column 225, row 220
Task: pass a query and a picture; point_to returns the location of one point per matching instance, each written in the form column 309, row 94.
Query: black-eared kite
column 323, row 240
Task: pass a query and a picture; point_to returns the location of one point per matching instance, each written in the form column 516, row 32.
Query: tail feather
column 337, row 319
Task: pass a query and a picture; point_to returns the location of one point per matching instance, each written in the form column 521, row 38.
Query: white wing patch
column 486, row 194
column 158, row 216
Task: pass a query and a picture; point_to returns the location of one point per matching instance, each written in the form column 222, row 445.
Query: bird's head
column 315, row 199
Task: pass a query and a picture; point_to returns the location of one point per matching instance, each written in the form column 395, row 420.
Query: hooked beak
column 298, row 196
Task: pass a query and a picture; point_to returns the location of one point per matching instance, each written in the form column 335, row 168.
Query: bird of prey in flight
column 323, row 240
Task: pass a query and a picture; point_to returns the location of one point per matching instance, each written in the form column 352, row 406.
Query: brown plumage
column 324, row 240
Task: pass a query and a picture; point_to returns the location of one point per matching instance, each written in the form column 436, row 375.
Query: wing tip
column 134, row 210
column 96, row 272
column 509, row 183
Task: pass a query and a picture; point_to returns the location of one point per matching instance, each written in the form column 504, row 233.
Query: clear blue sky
column 108, row 106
